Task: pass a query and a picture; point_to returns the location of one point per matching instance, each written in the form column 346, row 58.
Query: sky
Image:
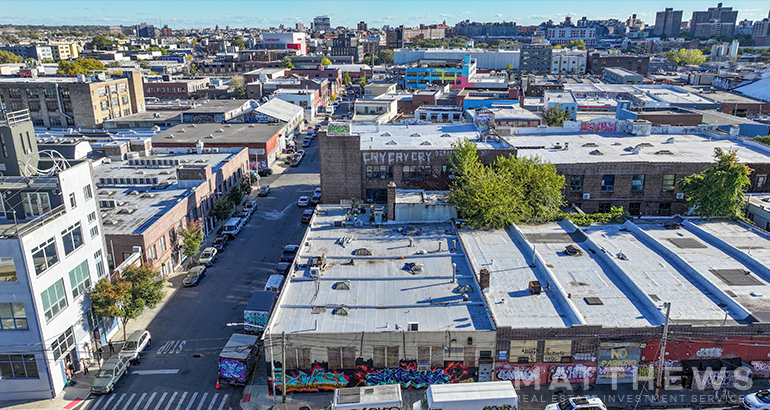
column 179, row 14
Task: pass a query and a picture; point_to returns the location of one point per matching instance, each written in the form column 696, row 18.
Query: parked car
column 264, row 190
column 250, row 205
column 282, row 268
column 757, row 401
column 245, row 216
column 316, row 199
column 303, row 201
column 306, row 143
column 133, row 346
column 288, row 160
column 578, row 403
column 208, row 256
column 194, row 276
column 233, row 227
column 301, row 153
column 108, row 375
column 220, row 242
column 295, row 162
column 307, row 215
column 290, row 149
column 265, row 172
column 317, row 190
column 289, row 253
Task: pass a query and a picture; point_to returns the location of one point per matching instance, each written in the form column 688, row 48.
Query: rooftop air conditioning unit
column 315, row 272
column 586, row 196
column 680, row 195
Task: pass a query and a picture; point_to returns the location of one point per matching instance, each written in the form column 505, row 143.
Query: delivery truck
column 469, row 396
column 258, row 311
column 381, row 397
column 238, row 359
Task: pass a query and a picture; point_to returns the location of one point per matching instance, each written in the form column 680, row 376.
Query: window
column 92, row 217
column 416, row 171
column 54, row 300
column 385, row 356
column 104, row 105
column 635, row 208
column 637, row 183
column 341, row 357
column 761, row 179
column 80, row 280
column 13, row 316
column 99, row 263
column 668, row 182
column 163, row 244
column 18, row 366
column 14, row 93
column 34, row 106
column 33, row 93
column 2, row 144
column 576, row 183
column 152, row 252
column 73, row 202
column 608, row 183
column 430, row 356
column 122, row 87
column 102, row 91
column 72, row 238
column 664, row 209
column 298, row 358
column 7, row 270
column 63, row 344
column 115, row 101
column 44, row 256
column 377, row 195
column 124, row 100
column 605, row 207
column 87, row 193
column 35, row 203
column 94, row 230
column 50, row 93
column 65, row 93
column 379, row 172
column 51, row 106
column 113, row 88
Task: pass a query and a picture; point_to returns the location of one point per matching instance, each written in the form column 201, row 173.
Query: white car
column 578, row 403
column 317, row 190
column 208, row 256
column 757, row 401
column 133, row 346
column 303, row 201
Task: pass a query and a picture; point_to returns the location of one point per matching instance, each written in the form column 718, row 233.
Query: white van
column 469, row 396
column 387, row 396
column 233, row 227
column 274, row 283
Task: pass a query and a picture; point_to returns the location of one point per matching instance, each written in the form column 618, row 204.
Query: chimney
column 521, row 97
column 484, row 279
column 392, row 201
column 559, row 79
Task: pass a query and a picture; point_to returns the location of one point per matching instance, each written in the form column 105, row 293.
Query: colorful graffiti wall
column 257, row 321
column 602, row 126
column 407, row 375
column 232, row 370
column 531, row 374
column 747, row 349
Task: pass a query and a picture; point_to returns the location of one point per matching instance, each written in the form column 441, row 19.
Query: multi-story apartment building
column 563, row 35
column 426, row 73
column 172, row 88
column 84, row 101
column 321, row 23
column 636, row 63
column 716, row 21
column 52, row 254
column 64, row 51
column 761, row 28
column 668, row 22
column 38, row 52
column 536, row 58
column 347, row 44
column 568, row 61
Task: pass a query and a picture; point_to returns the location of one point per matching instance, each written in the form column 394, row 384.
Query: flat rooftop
column 156, row 191
column 218, row 106
column 419, row 137
column 721, row 96
column 618, row 147
column 217, row 133
column 375, row 293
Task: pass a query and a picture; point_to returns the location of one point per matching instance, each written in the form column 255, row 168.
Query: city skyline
column 263, row 14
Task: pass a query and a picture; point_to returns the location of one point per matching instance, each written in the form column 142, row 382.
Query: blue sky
column 263, row 13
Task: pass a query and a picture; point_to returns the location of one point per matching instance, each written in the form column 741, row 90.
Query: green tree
column 346, row 79
column 7, row 57
column 554, row 116
column 247, row 182
column 162, row 50
column 238, row 87
column 112, row 64
column 239, row 42
column 578, row 44
column 235, row 196
column 222, row 209
column 718, row 190
column 286, row 63
column 136, row 289
column 362, row 82
column 385, row 56
column 100, row 42
column 192, row 238
column 144, row 64
column 46, row 61
column 80, row 66
column 509, row 67
column 764, row 140
column 686, row 57
column 325, row 62
column 333, row 97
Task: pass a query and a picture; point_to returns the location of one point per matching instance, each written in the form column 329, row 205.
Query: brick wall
column 340, row 163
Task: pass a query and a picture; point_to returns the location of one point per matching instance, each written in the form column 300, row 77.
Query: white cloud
column 498, row 15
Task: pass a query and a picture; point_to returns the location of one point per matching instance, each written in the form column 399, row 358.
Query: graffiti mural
column 485, row 121
column 604, row 126
column 525, row 374
column 572, row 372
column 761, row 368
column 408, row 375
column 232, row 369
column 256, row 321
column 198, row 118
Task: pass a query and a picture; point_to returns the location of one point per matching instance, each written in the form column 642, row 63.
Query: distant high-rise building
column 716, row 21
column 145, row 30
column 299, row 27
column 668, row 23
column 166, row 32
column 395, row 38
column 761, row 28
column 361, row 26
column 322, row 23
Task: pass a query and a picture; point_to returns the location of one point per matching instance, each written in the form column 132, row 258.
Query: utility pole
column 659, row 382
column 283, row 367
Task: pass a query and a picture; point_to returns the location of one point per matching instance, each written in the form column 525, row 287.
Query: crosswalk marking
column 192, row 400
column 181, row 400
column 149, row 401
column 170, row 401
column 98, row 401
column 203, row 400
column 107, row 404
column 160, row 400
column 213, row 399
column 140, row 401
column 163, row 397
column 224, row 400
column 119, row 400
column 129, row 401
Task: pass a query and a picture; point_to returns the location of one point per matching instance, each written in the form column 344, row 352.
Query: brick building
column 173, row 88
column 598, row 62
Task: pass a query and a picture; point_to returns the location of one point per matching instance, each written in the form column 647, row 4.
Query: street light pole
column 659, row 383
column 283, row 367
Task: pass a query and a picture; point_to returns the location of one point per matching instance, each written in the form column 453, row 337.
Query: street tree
column 222, row 209
column 238, row 87
column 247, row 182
column 362, row 82
column 7, row 57
column 192, row 238
column 80, row 66
column 509, row 67
column 578, row 44
column 346, row 79
column 235, row 196
column 137, row 288
column 385, row 56
column 325, row 62
column 718, row 190
column 239, row 42
column 554, row 116
column 686, row 57
column 286, row 63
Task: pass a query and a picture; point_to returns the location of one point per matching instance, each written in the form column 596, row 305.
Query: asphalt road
column 179, row 370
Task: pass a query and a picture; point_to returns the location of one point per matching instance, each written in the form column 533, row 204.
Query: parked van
column 274, row 283
column 469, row 396
column 387, row 396
column 233, row 227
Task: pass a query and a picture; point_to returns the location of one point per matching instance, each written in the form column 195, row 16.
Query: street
column 179, row 371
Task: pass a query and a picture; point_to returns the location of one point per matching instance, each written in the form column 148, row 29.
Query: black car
column 282, row 268
column 289, row 252
column 307, row 215
column 220, row 242
column 316, row 199
column 194, row 276
column 265, row 172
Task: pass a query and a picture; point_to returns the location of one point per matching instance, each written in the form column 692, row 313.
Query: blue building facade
column 438, row 72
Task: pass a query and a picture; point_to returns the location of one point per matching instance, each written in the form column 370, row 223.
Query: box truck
column 469, row 396
column 237, row 360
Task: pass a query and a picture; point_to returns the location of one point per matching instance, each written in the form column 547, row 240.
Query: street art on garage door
column 408, row 375
column 535, row 374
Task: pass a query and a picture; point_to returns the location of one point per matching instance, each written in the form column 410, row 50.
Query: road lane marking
column 171, row 401
column 140, row 401
column 203, row 400
column 129, row 401
column 149, row 401
column 213, row 399
column 163, row 397
column 157, row 371
column 181, row 400
column 224, row 400
column 192, row 399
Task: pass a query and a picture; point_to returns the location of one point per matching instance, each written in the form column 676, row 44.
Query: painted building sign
column 535, row 374
column 390, row 158
column 408, row 375
column 618, row 362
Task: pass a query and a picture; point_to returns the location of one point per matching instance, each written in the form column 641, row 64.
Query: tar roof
column 217, row 106
column 375, row 294
column 618, row 147
column 412, row 137
column 217, row 133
